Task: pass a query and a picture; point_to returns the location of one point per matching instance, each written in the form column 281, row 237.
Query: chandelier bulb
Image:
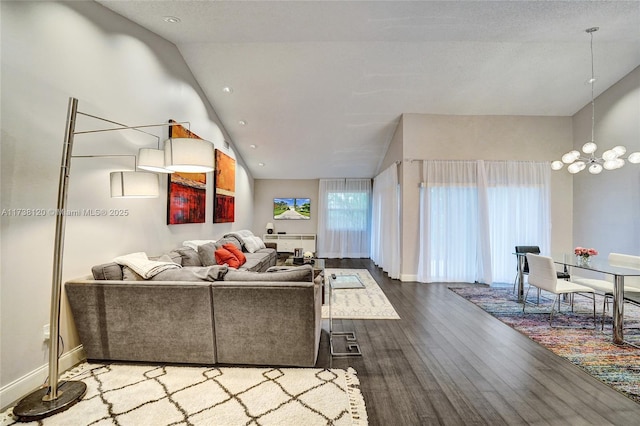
column 595, row 168
column 570, row 157
column 620, row 150
column 589, row 147
column 556, row 165
column 634, row 157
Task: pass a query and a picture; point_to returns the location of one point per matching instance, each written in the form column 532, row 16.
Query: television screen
column 292, row 208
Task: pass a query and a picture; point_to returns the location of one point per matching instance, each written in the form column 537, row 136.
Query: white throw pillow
column 253, row 244
column 195, row 243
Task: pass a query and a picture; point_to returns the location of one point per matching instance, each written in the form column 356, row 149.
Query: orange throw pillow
column 236, row 252
column 225, row 256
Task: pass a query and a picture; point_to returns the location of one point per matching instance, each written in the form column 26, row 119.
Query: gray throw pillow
column 172, row 256
column 129, row 274
column 107, row 271
column 189, row 256
column 226, row 240
column 207, row 254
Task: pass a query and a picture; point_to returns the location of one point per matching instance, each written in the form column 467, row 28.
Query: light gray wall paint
column 448, row 137
column 50, row 52
column 268, row 189
column 607, row 206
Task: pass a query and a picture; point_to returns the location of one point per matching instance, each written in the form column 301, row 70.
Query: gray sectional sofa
column 200, row 314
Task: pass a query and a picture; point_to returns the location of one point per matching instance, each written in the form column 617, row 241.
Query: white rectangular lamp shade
column 152, row 160
column 134, row 185
column 188, row 155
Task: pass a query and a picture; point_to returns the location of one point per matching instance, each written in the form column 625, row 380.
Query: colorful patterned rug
column 593, row 351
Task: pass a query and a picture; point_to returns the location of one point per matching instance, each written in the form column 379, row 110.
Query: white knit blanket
column 144, row 267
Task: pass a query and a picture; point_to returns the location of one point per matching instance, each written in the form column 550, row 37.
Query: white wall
column 447, row 137
column 50, row 52
column 268, row 189
column 607, row 206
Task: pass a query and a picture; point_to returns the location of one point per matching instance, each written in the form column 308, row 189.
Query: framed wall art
column 225, row 188
column 186, row 198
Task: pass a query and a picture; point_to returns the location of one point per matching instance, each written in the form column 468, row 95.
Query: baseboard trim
column 409, row 277
column 12, row 392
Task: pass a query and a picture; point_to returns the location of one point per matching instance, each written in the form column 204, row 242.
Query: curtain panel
column 473, row 214
column 344, row 218
column 385, row 222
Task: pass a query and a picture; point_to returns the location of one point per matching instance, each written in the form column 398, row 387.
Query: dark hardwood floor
column 447, row 362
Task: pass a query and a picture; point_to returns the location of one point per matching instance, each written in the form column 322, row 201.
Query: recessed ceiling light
column 242, row 122
column 253, row 146
column 171, row 19
column 261, row 164
column 227, row 89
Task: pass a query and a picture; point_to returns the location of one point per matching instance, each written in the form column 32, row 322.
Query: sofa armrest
column 267, row 323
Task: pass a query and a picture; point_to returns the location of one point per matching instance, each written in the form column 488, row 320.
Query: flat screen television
column 292, row 208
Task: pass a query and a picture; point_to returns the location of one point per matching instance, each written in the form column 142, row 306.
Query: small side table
column 350, row 336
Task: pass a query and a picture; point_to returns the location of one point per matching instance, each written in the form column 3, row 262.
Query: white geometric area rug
column 369, row 302
column 226, row 396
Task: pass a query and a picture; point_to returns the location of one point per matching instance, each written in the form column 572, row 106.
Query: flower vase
column 584, row 260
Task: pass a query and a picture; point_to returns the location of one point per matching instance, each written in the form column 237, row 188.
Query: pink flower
column 585, row 252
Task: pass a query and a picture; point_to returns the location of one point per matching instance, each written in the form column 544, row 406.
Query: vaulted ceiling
column 320, row 85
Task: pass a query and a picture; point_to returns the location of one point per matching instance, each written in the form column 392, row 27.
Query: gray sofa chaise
column 199, row 315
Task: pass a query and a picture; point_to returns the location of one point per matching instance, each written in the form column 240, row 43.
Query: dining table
column 603, row 266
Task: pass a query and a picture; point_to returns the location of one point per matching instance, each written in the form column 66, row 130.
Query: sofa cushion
column 236, row 252
column 193, row 273
column 189, row 256
column 107, row 271
column 255, row 262
column 300, row 273
column 225, row 257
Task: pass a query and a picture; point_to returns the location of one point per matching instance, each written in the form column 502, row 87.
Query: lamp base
column 32, row 407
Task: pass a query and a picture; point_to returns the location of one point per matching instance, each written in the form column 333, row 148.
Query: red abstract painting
column 187, row 192
column 187, row 198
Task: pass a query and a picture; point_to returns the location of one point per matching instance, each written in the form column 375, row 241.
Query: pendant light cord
column 593, row 103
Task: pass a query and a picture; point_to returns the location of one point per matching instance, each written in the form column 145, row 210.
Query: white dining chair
column 542, row 275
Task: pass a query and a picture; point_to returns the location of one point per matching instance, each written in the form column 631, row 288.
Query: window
column 347, row 211
column 344, row 217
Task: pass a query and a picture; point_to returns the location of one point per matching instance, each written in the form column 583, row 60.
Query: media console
column 289, row 242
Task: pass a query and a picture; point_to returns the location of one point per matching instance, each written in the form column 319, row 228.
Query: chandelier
column 610, row 160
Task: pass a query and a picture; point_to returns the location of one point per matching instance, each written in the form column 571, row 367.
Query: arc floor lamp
column 180, row 154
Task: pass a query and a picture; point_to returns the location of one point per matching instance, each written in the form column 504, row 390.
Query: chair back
column 527, row 249
column 626, row 261
column 542, row 272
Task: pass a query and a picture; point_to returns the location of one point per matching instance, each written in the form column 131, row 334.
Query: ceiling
column 321, row 85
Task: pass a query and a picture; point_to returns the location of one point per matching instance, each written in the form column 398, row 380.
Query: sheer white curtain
column 385, row 222
column 450, row 223
column 473, row 213
column 519, row 205
column 344, row 218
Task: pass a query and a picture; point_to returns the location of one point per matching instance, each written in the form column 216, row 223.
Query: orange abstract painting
column 225, row 184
